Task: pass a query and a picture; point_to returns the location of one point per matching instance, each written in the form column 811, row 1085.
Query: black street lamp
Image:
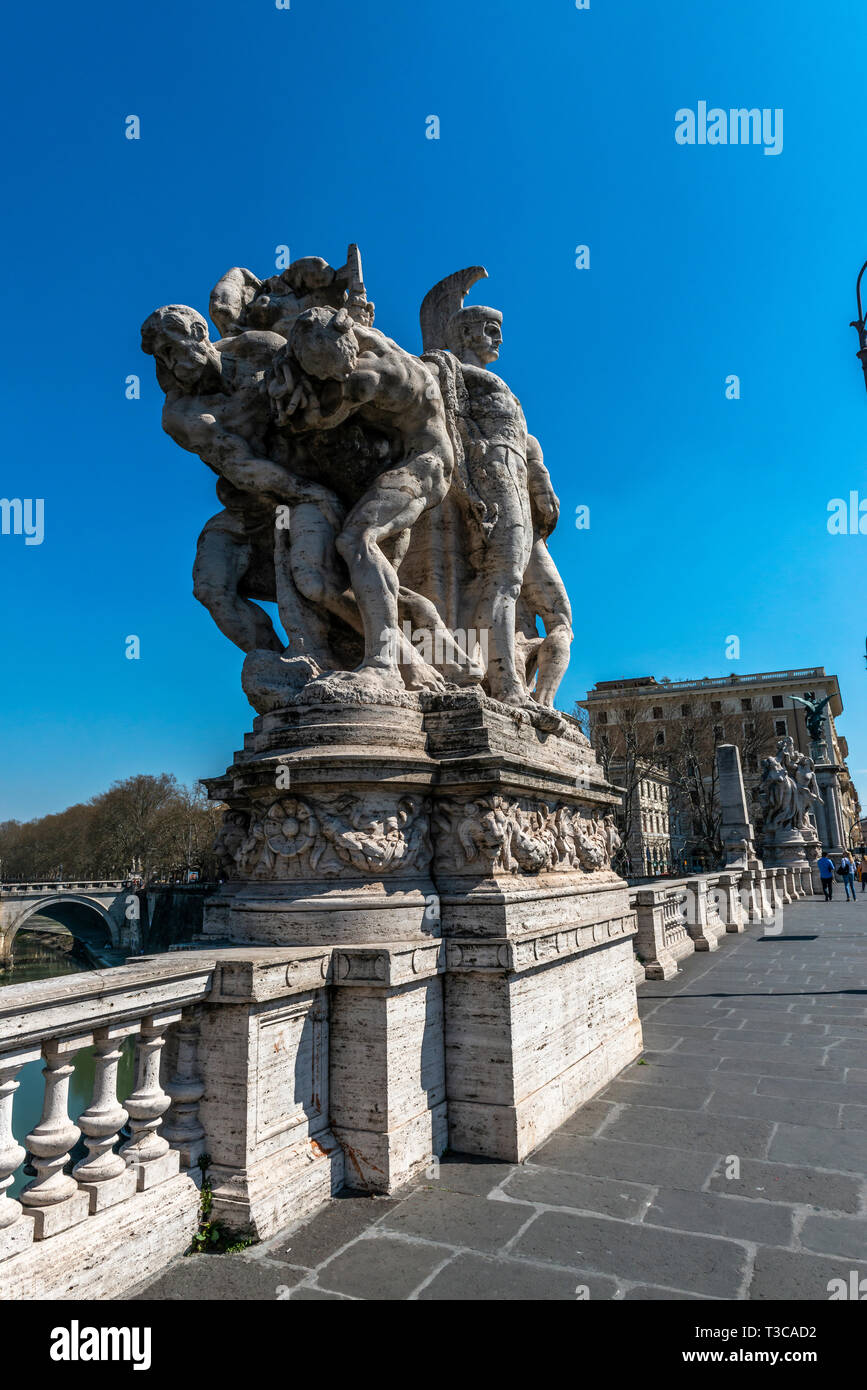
column 859, row 324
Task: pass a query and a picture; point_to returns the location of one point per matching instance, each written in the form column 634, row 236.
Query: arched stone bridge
column 105, row 900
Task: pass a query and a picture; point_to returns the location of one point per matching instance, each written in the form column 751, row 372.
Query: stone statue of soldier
column 511, row 507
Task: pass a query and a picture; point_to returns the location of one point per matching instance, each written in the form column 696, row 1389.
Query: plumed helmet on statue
column 445, row 302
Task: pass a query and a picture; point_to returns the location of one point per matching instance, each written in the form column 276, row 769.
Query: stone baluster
column 53, row 1196
column 104, row 1174
column 765, row 879
column 186, row 1088
column 697, row 923
column 732, row 913
column 14, row 1233
column 147, row 1152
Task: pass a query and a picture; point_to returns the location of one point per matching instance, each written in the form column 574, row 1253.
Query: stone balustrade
column 234, row 1051
column 102, row 885
column 678, row 916
column 253, row 1055
column 52, row 1021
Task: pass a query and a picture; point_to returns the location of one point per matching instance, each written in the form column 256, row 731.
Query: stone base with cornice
column 451, row 858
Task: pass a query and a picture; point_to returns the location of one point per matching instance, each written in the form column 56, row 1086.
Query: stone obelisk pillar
column 735, row 826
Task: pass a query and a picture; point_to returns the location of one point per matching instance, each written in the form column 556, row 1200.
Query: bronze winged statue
column 815, row 717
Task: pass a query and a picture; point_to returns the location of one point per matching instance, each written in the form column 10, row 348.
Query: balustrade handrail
column 667, row 885
column 69, row 1004
column 42, row 885
column 660, row 687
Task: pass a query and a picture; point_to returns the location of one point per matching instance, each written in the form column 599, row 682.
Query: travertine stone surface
column 430, row 835
column 704, row 923
column 524, row 1049
column 388, row 1094
column 265, row 1109
column 734, row 912
column 103, row 1256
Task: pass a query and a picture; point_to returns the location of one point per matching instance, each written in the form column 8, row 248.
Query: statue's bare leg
column 545, row 595
column 444, row 651
column 315, row 570
column 500, row 564
column 448, row 655
column 394, row 503
column 320, row 580
column 305, row 625
column 223, row 556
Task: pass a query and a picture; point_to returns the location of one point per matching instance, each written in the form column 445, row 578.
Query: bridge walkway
column 727, row 1163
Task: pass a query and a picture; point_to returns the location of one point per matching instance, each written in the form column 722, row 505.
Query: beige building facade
column 650, row 820
column 675, row 725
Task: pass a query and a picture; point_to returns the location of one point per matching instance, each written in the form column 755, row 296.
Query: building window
column 780, row 728
column 752, row 762
column 660, row 739
column 749, row 729
column 746, row 704
column 716, row 706
column 718, row 733
column 777, row 701
column 657, row 711
column 685, row 711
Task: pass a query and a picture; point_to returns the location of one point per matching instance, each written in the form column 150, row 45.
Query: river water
column 32, row 959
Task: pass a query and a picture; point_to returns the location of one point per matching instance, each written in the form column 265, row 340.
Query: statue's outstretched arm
column 230, row 456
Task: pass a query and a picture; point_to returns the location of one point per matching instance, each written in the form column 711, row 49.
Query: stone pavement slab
column 472, row 1277
column 727, row 1163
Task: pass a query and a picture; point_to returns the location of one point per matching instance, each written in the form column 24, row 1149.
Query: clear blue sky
column 307, row 126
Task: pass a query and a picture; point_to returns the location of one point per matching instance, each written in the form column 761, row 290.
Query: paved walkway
column 728, row 1163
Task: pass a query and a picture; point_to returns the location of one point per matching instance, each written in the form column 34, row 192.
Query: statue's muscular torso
column 496, row 411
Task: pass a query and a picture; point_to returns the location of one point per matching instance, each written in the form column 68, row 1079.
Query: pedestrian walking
column 826, row 874
column 847, row 876
column 862, row 869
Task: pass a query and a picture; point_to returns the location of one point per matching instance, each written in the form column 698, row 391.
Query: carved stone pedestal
column 540, row 991
column 328, row 837
column 450, row 857
column 813, row 853
column 785, row 849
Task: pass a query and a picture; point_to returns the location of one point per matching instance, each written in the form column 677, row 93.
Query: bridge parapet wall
column 101, row 885
column 678, row 916
column 274, row 1062
column 231, row 1056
